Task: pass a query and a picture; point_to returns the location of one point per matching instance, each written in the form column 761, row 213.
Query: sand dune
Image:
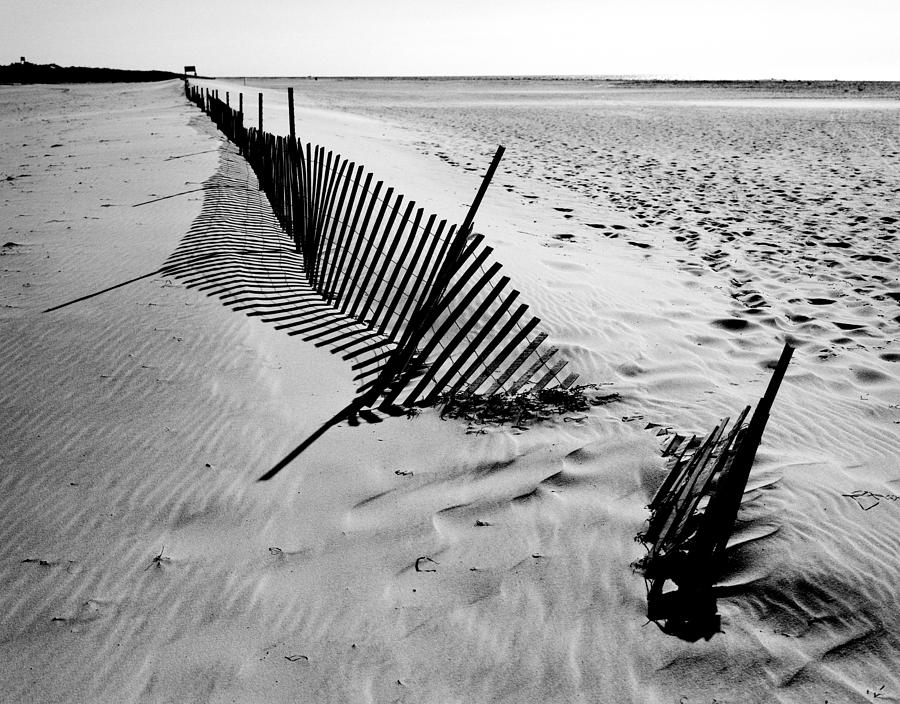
column 414, row 559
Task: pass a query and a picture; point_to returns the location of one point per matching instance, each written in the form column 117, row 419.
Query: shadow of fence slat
column 430, row 312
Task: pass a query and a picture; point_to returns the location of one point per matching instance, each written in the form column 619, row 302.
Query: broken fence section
column 442, row 318
column 693, row 513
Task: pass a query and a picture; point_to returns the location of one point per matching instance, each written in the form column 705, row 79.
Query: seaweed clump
column 519, row 410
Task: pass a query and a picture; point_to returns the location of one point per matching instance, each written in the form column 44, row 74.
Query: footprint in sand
column 731, row 323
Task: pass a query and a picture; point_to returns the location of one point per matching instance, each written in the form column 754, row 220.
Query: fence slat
column 365, row 263
column 335, row 176
column 341, row 247
column 388, row 258
column 438, row 245
column 435, row 337
column 474, row 319
column 310, row 177
column 397, row 370
column 291, row 125
column 541, row 361
column 679, row 502
column 517, row 362
column 355, row 237
column 506, row 350
column 314, row 186
column 496, row 337
column 260, row 126
column 322, row 194
column 322, row 259
column 365, row 295
column 569, row 380
column 390, row 291
column 452, row 315
column 443, row 299
column 450, row 346
column 549, row 376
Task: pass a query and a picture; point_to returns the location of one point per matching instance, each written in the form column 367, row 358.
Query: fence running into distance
column 439, row 315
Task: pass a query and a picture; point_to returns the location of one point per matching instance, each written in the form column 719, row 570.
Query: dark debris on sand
column 520, row 409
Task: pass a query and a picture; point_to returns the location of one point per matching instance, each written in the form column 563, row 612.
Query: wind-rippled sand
column 756, row 215
column 670, row 243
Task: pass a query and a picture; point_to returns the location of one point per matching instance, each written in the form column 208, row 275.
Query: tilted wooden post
column 227, row 98
column 291, row 114
column 723, row 508
column 241, row 105
column 395, row 370
column 485, row 182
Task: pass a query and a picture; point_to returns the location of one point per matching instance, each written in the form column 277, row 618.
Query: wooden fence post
column 723, row 508
column 260, row 112
column 485, row 182
column 291, row 114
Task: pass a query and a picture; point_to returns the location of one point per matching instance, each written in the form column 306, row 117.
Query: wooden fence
column 439, row 314
column 693, row 512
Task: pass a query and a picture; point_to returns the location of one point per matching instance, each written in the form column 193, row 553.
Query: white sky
column 812, row 39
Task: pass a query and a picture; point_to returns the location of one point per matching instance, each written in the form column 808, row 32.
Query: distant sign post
column 190, row 69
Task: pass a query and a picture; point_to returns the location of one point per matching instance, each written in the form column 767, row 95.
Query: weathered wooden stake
column 485, row 182
column 291, row 114
column 724, row 513
column 260, row 112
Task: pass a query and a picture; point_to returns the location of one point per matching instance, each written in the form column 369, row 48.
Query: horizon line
column 564, row 76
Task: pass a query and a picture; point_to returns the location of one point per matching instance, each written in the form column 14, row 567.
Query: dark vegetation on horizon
column 26, row 72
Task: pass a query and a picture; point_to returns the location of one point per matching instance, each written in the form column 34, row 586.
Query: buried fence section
column 436, row 314
column 693, row 514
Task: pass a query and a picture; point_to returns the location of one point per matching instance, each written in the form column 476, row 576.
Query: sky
column 716, row 39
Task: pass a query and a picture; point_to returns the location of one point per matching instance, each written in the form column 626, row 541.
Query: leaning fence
column 440, row 317
column 693, row 514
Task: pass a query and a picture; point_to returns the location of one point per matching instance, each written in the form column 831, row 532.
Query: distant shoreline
column 619, row 80
column 585, row 85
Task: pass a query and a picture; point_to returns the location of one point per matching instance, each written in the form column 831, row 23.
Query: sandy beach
column 420, row 559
